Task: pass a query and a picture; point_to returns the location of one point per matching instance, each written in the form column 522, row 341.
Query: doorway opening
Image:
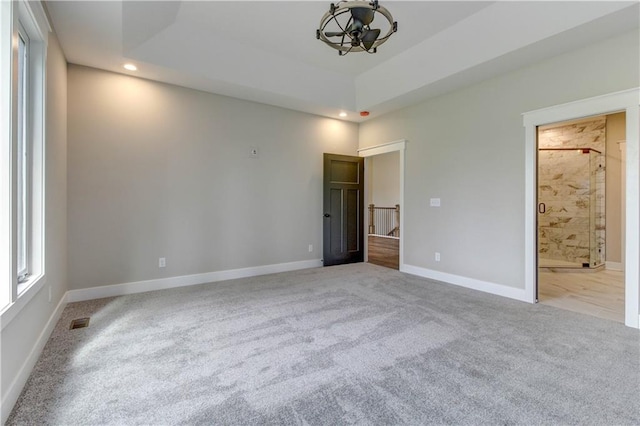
column 580, row 221
column 627, row 101
column 380, row 190
column 383, row 205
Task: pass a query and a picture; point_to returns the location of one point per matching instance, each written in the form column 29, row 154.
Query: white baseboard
column 614, row 266
column 185, row 280
column 484, row 286
column 12, row 394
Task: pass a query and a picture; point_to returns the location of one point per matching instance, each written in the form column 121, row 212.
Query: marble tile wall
column 571, row 222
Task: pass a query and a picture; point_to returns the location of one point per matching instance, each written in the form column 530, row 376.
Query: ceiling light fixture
column 343, row 114
column 130, row 67
column 345, row 27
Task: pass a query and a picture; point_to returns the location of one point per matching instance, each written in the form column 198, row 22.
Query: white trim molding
column 11, row 311
column 34, row 10
column 383, row 148
column 628, row 101
column 400, row 146
column 186, row 280
column 471, row 283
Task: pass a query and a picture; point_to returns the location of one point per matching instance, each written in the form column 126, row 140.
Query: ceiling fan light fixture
column 346, row 26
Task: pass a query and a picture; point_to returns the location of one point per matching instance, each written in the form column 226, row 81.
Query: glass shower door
column 565, row 208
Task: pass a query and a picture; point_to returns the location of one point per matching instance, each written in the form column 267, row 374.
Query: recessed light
column 130, row 67
column 343, row 114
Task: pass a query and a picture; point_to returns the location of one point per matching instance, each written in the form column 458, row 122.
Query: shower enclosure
column 571, row 226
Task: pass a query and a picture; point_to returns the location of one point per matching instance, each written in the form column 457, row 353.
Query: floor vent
column 79, row 323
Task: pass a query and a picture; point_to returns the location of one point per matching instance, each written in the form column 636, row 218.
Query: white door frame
column 628, row 101
column 399, row 145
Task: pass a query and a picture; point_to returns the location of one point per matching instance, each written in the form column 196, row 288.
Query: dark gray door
column 343, row 209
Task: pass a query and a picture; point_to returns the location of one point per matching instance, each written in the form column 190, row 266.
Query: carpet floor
column 352, row 344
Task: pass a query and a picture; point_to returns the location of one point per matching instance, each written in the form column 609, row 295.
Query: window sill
column 26, row 291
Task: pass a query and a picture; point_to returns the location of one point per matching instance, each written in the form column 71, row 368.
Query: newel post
column 372, row 226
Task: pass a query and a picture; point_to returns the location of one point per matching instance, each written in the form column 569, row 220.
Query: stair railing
column 384, row 221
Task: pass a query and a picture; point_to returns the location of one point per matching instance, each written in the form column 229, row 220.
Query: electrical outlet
column 437, row 256
column 434, row 202
column 162, row 262
column 310, row 248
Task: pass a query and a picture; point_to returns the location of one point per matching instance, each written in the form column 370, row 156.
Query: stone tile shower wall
column 571, row 184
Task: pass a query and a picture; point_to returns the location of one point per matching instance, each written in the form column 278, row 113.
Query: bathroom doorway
column 580, row 221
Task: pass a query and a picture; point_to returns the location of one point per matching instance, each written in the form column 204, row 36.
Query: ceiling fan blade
column 362, row 14
column 369, row 38
column 334, row 34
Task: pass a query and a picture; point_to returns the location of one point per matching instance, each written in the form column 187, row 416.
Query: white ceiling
column 267, row 51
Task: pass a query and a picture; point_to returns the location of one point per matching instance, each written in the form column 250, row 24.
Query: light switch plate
column 434, row 202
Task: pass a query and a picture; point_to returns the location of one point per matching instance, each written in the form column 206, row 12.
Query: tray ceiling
column 267, row 52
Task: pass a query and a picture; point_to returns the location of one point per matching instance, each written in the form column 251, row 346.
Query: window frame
column 23, row 166
column 26, row 20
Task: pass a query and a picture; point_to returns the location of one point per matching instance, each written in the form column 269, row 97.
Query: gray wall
column 613, row 192
column 157, row 170
column 21, row 335
column 384, row 189
column 467, row 148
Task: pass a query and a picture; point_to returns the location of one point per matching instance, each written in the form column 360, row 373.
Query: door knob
column 327, row 215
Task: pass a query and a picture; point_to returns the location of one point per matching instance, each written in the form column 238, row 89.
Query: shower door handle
column 542, row 208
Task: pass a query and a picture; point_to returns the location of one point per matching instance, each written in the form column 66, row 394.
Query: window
column 23, row 37
column 22, row 162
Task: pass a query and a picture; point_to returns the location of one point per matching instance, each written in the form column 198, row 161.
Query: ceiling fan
column 346, row 26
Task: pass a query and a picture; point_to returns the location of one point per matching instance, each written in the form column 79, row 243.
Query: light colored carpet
column 353, row 344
